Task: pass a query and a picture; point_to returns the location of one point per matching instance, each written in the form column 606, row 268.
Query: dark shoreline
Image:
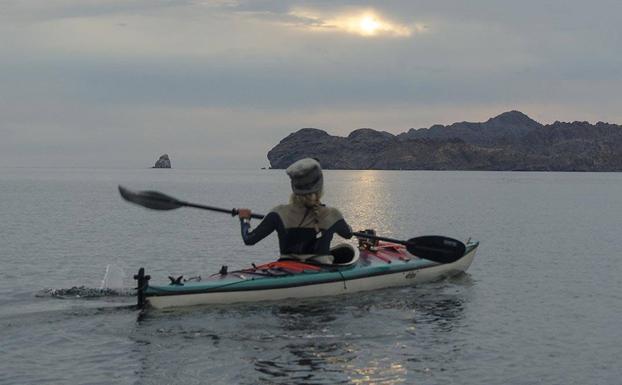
column 508, row 142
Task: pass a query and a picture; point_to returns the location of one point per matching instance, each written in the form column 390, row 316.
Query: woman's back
column 307, row 230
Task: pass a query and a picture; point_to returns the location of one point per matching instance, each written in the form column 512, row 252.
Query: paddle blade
column 436, row 248
column 150, row 199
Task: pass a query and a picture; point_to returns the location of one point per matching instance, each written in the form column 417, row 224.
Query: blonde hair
column 311, row 202
column 306, row 200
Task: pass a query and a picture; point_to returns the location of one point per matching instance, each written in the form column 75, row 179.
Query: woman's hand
column 244, row 213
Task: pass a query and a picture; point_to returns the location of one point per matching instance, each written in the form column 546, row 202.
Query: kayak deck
column 385, row 265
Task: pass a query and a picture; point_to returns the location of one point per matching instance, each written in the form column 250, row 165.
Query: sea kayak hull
column 390, row 267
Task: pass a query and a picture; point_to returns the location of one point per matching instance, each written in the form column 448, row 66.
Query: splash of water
column 113, row 278
column 85, row 292
column 111, row 286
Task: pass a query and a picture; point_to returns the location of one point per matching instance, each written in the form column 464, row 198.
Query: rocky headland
column 511, row 142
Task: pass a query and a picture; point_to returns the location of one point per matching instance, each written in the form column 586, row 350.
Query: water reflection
column 319, row 348
column 388, row 337
column 350, row 339
column 441, row 314
column 309, row 362
column 364, row 198
column 381, row 371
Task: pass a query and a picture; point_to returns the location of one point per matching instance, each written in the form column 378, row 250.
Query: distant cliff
column 510, row 141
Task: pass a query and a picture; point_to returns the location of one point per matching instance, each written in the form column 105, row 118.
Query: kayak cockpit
column 340, row 255
column 344, row 254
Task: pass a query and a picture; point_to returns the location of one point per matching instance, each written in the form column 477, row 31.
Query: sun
column 369, row 25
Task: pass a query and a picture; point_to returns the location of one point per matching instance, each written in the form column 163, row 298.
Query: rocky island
column 508, row 142
column 163, row 162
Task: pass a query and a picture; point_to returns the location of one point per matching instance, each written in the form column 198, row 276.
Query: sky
column 216, row 84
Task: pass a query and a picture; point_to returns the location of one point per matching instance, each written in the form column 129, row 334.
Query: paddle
column 157, row 201
column 435, row 248
column 431, row 247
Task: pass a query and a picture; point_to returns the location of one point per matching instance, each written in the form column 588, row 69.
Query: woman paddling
column 305, row 226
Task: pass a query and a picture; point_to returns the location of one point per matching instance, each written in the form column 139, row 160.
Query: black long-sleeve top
column 296, row 228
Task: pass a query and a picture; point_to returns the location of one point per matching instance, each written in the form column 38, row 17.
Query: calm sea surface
column 541, row 304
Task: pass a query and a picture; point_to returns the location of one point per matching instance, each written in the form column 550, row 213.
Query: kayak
column 354, row 270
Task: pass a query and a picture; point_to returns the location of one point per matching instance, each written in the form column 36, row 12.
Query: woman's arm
column 267, row 226
column 343, row 229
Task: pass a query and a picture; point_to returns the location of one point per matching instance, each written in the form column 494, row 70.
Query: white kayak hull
column 367, row 283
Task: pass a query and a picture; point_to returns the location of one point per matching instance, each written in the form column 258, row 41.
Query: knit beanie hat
column 306, row 176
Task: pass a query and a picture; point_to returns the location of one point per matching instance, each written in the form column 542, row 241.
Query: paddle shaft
column 232, row 212
column 385, row 239
column 436, row 248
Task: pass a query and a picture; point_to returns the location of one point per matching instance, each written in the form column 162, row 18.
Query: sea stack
column 163, row 162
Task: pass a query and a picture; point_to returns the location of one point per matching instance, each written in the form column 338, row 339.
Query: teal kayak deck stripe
column 301, row 279
column 295, row 280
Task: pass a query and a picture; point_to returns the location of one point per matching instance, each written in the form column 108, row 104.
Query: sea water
column 541, row 304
